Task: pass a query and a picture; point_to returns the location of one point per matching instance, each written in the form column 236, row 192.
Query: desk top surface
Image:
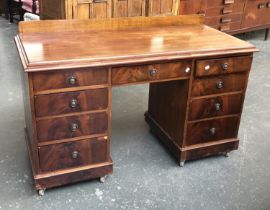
column 70, row 49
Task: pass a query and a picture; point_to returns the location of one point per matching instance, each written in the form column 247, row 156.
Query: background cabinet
column 231, row 16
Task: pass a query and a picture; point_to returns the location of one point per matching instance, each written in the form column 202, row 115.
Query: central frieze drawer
column 73, row 154
column 69, row 78
column 215, row 106
column 212, row 130
column 70, row 102
column 223, row 66
column 72, row 126
column 155, row 72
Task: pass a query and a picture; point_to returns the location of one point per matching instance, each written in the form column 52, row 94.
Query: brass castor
column 41, row 192
column 182, row 163
column 102, row 179
column 226, row 154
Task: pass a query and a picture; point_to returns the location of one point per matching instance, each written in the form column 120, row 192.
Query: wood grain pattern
column 61, row 127
column 71, row 102
column 215, row 106
column 136, row 45
column 208, row 86
column 60, row 79
column 148, row 73
column 61, row 156
column 223, row 65
column 199, row 132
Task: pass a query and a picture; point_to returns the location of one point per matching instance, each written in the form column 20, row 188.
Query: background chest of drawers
column 231, row 16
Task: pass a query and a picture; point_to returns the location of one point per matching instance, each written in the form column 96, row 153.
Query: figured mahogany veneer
column 197, row 75
column 73, row 154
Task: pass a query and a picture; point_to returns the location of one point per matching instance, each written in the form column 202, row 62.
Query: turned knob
column 212, row 131
column 153, row 72
column 225, row 66
column 74, row 127
column 219, row 84
column 217, row 106
column 73, row 103
column 72, row 80
column 75, row 154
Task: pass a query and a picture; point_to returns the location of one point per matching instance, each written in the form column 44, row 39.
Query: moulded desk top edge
column 41, row 51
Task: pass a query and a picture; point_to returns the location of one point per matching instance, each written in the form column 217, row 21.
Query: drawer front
column 155, row 72
column 213, row 21
column 73, row 154
column 219, row 84
column 212, row 130
column 69, row 78
column 216, row 3
column 72, row 126
column 70, row 102
column 215, row 106
column 228, row 26
column 223, row 66
column 225, row 10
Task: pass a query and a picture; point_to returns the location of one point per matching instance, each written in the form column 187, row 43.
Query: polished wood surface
column 198, row 78
column 150, row 44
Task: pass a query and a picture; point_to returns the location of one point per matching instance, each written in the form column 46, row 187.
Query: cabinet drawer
column 69, row 78
column 73, row 154
column 225, row 10
column 213, row 21
column 212, row 130
column 70, row 102
column 215, row 106
column 72, row 126
column 216, row 3
column 219, row 84
column 155, row 72
column 223, row 66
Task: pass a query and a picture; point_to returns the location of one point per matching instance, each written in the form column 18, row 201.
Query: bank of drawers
column 71, row 109
column 217, row 96
column 224, row 15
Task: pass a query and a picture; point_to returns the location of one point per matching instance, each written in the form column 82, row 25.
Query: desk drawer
column 219, row 84
column 73, row 154
column 155, row 72
column 223, row 66
column 72, row 126
column 212, row 130
column 70, row 102
column 69, row 78
column 215, row 106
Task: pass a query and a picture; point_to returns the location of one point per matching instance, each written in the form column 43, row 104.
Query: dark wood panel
column 212, row 130
column 72, row 154
column 70, row 78
column 223, row 10
column 219, row 84
column 70, row 102
column 167, row 106
column 155, row 72
column 223, row 65
column 72, row 126
column 215, row 106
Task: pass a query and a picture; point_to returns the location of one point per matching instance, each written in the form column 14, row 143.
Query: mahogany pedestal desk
column 197, row 75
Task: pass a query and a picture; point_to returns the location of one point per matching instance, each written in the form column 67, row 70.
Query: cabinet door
column 129, row 8
column 163, row 7
column 188, row 7
column 257, row 13
column 88, row 9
